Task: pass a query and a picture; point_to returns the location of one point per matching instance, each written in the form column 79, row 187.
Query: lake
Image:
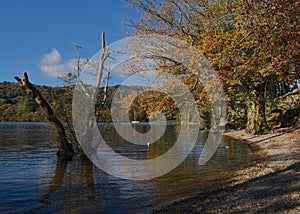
column 33, row 180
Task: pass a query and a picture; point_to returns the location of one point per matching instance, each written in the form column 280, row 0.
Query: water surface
column 33, row 180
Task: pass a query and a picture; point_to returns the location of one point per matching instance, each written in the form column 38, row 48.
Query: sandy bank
column 270, row 184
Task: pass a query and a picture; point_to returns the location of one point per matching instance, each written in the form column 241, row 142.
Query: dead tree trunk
column 65, row 149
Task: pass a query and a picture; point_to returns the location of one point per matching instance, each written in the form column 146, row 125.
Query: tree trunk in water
column 65, row 149
column 256, row 117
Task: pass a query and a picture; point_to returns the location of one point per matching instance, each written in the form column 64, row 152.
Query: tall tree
column 247, row 41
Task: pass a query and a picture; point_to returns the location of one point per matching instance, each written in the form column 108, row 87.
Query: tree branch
column 64, row 147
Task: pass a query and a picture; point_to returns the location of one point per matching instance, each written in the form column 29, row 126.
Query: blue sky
column 36, row 30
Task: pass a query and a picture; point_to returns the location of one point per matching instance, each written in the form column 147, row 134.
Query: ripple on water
column 31, row 179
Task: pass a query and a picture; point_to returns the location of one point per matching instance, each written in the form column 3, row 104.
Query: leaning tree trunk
column 65, row 149
column 256, row 117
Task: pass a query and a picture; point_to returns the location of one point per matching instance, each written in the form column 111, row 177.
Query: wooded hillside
column 16, row 105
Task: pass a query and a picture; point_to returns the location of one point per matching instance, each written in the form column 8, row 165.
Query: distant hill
column 17, row 105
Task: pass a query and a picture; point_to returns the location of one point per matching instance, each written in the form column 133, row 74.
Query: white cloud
column 53, row 66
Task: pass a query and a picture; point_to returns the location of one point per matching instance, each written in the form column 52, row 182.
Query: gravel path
column 270, row 184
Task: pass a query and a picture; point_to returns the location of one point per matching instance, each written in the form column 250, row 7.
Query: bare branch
column 77, row 46
column 101, row 62
column 105, row 89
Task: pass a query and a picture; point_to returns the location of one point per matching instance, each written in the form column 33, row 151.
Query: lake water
column 33, row 180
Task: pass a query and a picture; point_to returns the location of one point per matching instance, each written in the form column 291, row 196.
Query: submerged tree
column 65, row 148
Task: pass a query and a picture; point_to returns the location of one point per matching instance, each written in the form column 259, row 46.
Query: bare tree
column 65, row 148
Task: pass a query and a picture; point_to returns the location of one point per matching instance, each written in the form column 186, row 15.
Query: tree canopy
column 253, row 44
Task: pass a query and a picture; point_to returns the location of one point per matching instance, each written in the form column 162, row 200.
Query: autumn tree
column 247, row 42
column 153, row 101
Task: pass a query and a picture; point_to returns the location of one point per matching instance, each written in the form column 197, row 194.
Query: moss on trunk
column 256, row 118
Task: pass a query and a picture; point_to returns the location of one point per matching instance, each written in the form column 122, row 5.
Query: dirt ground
column 269, row 184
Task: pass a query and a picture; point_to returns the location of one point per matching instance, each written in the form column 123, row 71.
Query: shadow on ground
column 275, row 192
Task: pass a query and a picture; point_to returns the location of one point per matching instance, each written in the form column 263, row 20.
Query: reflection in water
column 57, row 181
column 125, row 148
column 32, row 179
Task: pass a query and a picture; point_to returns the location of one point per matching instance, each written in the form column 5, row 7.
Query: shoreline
column 269, row 184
